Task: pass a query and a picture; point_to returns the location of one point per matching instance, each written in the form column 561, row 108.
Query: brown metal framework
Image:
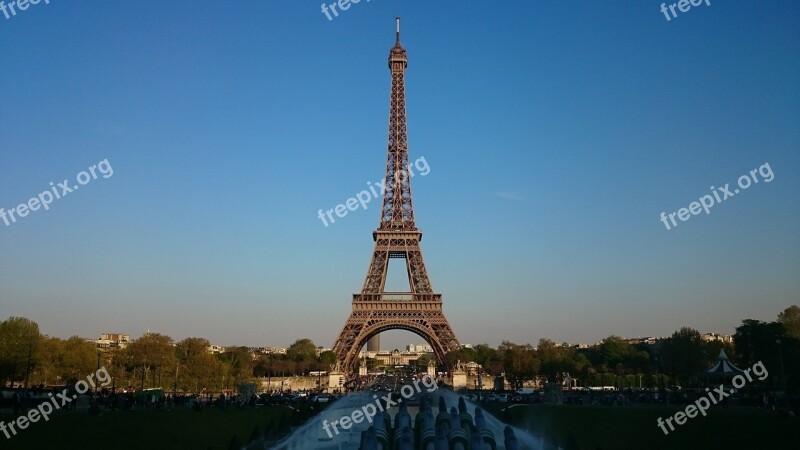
column 374, row 310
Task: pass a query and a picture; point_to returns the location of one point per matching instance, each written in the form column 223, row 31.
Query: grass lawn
column 571, row 427
column 635, row 428
column 178, row 429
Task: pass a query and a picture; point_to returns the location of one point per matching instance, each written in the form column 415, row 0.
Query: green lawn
column 178, row 429
column 635, row 428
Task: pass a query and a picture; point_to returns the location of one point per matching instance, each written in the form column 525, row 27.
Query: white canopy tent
column 723, row 367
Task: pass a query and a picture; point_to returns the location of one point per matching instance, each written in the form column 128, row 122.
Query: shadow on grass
column 635, row 428
column 178, row 429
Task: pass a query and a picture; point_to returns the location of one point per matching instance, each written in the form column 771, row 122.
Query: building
column 111, row 341
column 710, row 337
column 642, row 340
column 396, row 357
column 216, row 349
column 419, row 348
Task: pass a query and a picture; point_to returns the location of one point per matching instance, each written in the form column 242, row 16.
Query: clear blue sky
column 556, row 133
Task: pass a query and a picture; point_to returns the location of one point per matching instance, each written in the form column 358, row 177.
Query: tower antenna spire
column 397, row 23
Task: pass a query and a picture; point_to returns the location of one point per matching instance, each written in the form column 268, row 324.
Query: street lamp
column 160, row 369
column 175, row 387
column 28, row 367
column 98, row 370
column 480, row 382
column 114, row 370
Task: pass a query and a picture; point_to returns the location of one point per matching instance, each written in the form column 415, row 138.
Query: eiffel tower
column 374, row 310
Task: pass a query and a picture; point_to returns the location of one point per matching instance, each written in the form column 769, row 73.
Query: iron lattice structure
column 420, row 309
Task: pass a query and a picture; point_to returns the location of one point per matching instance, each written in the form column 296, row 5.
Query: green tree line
column 155, row 360
column 680, row 359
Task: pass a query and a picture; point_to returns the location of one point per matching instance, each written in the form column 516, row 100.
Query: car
column 287, row 399
column 322, row 398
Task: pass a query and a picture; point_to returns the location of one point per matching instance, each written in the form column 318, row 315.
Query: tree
column 422, row 363
column 327, row 358
column 374, row 364
column 684, row 355
column 550, row 357
column 240, row 364
column 758, row 341
column 560, row 359
column 198, row 368
column 19, row 343
column 49, row 361
column 755, row 341
column 452, row 358
column 520, row 362
column 790, row 318
column 613, row 351
column 192, row 348
column 78, row 359
column 149, row 354
column 489, row 358
column 303, row 350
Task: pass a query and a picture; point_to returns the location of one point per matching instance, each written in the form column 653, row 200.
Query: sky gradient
column 556, row 134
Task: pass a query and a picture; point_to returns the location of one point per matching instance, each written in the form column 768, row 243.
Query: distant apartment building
column 642, row 340
column 111, row 341
column 274, row 350
column 366, row 354
column 419, row 348
column 214, row 349
column 710, row 337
